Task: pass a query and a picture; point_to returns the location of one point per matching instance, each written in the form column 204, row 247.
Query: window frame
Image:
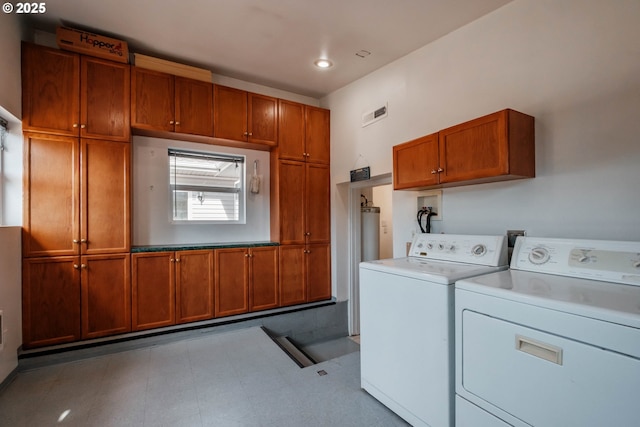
column 238, row 159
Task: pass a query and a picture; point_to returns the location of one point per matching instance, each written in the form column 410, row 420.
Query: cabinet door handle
column 75, row 125
column 433, row 171
column 83, row 126
column 172, row 260
column 440, row 170
column 177, row 123
column 83, row 241
column 83, row 265
column 171, row 122
column 76, row 241
column 177, row 259
column 250, row 133
column 76, row 266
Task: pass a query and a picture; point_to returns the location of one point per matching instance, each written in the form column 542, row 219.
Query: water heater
column 370, row 233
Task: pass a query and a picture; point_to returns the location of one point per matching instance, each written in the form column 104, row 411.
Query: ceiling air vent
column 374, row 116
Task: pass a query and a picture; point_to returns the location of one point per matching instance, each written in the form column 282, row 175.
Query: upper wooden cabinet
column 415, row 163
column 164, row 102
column 245, row 116
column 301, row 203
column 317, row 134
column 76, row 196
column 65, row 93
column 105, row 100
column 303, row 133
column 496, row 147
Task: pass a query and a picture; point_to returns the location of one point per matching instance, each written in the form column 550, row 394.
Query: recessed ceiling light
column 323, row 63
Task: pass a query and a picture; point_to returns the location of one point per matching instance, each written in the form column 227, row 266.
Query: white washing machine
column 406, row 322
column 554, row 341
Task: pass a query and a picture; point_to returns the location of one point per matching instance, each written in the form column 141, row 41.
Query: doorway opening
column 376, row 192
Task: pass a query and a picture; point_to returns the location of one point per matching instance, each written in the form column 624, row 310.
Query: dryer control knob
column 539, row 256
column 479, row 250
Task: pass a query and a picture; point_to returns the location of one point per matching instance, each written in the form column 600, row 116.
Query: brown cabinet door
column 152, row 100
column 51, row 197
column 317, row 135
column 106, row 295
column 232, row 282
column 230, row 113
column 317, row 196
column 415, row 163
column 292, row 275
column 105, row 197
column 292, row 202
column 194, row 285
column 50, row 90
column 153, row 290
column 318, row 272
column 263, row 288
column 50, row 301
column 475, row 149
column 262, row 117
column 105, row 100
column 194, row 106
column 291, row 130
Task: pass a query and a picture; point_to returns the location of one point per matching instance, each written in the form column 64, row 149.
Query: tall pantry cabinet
column 76, row 233
column 301, row 203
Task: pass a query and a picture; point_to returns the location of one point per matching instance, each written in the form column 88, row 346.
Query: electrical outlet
column 512, row 235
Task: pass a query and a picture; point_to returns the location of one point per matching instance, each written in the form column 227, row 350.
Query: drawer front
column 545, row 379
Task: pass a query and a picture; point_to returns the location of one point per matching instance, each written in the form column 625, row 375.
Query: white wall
column 572, row 64
column 151, row 198
column 10, row 88
column 10, row 298
column 11, row 194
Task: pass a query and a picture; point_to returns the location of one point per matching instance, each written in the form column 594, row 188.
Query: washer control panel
column 612, row 261
column 481, row 250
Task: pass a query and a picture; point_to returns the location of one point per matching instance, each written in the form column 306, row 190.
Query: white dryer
column 406, row 322
column 554, row 341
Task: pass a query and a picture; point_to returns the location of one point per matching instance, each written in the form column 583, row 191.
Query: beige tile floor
column 238, row 378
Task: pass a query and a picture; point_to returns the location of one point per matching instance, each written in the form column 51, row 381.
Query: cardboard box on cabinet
column 92, row 44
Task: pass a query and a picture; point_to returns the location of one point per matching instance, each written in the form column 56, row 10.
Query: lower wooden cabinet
column 305, row 273
column 263, row 274
column 65, row 299
column 171, row 288
column 153, row 302
column 292, row 287
column 106, row 295
column 50, row 301
column 71, row 298
column 246, row 280
column 318, row 272
column 194, row 285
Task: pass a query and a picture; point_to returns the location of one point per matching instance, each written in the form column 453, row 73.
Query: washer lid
column 607, row 301
column 440, row 272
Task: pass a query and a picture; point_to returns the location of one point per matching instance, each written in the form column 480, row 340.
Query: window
column 207, row 187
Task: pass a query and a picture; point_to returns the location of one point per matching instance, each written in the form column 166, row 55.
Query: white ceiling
column 271, row 42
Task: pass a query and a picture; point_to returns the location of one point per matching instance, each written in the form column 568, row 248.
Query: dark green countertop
column 196, row 246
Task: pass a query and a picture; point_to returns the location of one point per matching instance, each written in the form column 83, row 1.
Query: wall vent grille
column 374, row 115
